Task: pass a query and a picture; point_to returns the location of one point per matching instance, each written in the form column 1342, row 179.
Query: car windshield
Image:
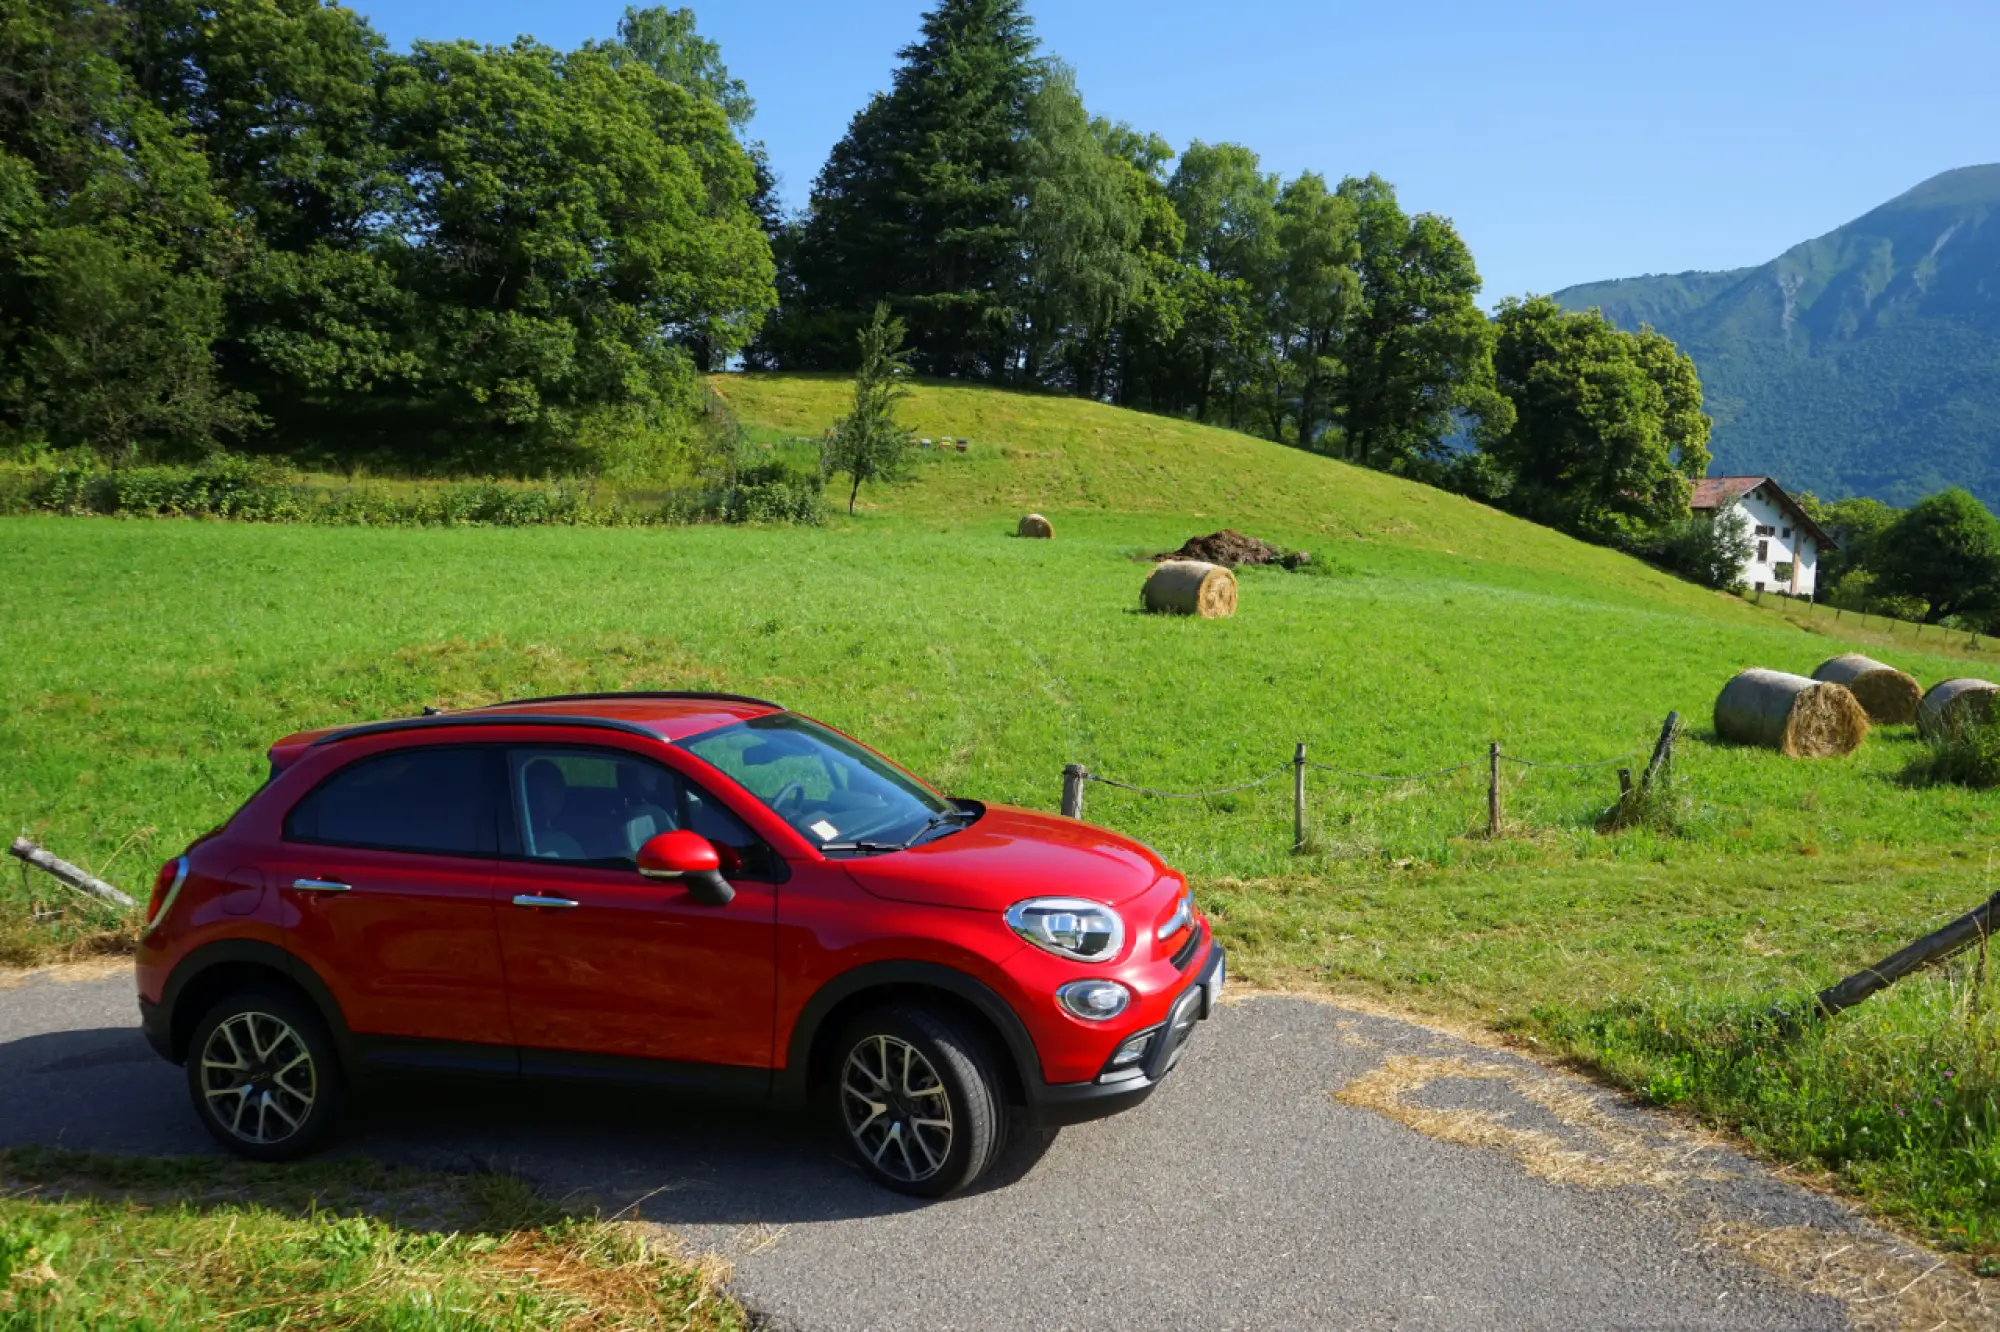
column 839, row 796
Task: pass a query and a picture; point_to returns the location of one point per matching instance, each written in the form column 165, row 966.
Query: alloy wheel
column 257, row 1077
column 896, row 1108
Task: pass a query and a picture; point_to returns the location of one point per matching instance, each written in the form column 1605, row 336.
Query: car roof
column 665, row 715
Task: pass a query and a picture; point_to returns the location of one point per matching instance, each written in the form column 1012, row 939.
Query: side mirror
column 691, row 858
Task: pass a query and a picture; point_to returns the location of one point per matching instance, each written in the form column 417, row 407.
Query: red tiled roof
column 1719, row 492
column 1713, row 492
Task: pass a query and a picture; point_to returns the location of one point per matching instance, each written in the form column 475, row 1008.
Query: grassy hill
column 1866, row 361
column 148, row 664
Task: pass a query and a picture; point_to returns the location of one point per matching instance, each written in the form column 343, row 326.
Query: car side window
column 597, row 807
column 433, row 799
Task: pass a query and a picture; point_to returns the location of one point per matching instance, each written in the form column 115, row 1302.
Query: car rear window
column 433, row 800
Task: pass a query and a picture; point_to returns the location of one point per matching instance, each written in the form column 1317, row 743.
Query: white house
column 1786, row 543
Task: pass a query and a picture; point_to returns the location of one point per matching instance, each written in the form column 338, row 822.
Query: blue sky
column 1568, row 141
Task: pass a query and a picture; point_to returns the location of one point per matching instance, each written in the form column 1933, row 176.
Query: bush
column 1711, row 552
column 1963, row 755
column 250, row 491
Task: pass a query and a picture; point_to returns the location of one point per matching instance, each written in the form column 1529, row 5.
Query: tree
column 1713, row 549
column 114, row 249
column 666, row 41
column 572, row 218
column 1856, row 526
column 919, row 203
column 1315, row 291
column 1944, row 552
column 1082, row 231
column 867, row 443
column 1418, row 352
column 1228, row 210
column 1607, row 434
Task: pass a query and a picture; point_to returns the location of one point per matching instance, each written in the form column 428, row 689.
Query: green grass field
column 146, row 666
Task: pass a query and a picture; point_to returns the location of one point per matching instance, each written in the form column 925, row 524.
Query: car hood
column 1010, row 854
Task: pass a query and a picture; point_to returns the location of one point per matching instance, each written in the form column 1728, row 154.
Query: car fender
column 228, row 952
column 789, row 1083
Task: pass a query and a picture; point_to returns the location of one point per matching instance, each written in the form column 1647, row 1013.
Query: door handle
column 538, row 900
column 321, row 886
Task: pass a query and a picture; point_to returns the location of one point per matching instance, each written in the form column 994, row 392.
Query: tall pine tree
column 920, row 204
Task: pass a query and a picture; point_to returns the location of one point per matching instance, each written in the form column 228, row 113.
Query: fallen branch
column 24, row 849
column 1969, row 928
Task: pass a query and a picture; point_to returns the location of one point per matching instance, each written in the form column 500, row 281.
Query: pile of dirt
column 1232, row 548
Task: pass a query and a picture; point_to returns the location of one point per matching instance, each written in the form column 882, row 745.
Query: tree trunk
column 853, row 494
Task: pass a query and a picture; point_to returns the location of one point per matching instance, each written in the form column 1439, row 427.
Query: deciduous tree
column 1944, row 552
column 869, row 444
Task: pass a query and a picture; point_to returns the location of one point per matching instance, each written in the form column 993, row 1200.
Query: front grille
column 1184, row 955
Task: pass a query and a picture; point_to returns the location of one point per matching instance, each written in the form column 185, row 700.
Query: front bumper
column 1052, row 1105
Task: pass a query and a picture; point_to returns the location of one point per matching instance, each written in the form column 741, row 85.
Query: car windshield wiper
column 864, row 846
column 937, row 820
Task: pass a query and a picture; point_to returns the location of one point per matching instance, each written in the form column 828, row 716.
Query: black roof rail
column 634, row 693
column 454, row 720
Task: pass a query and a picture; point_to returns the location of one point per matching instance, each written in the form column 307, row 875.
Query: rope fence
column 1075, row 776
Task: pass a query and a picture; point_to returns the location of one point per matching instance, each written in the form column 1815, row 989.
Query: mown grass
column 147, row 666
column 88, row 1241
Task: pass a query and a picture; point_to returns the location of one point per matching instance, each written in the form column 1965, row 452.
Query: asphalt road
column 1306, row 1166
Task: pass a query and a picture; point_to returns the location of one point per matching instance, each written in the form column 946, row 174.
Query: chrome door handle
column 321, row 886
column 537, row 900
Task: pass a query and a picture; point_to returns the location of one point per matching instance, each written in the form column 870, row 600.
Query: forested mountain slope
column 1864, row 362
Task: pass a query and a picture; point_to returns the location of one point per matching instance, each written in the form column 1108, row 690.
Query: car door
column 606, row 966
column 386, row 869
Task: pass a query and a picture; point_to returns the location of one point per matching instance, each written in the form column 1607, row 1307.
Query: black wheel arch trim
column 790, row 1085
column 252, row 952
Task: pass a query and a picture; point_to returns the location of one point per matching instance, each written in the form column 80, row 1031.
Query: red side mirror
column 672, row 854
column 691, row 858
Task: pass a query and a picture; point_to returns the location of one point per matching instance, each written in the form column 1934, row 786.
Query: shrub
column 1966, row 754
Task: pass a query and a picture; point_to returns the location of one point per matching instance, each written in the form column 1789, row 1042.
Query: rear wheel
column 264, row 1076
column 919, row 1100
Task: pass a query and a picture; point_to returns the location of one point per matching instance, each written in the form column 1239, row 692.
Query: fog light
column 1133, row 1050
column 1094, row 1000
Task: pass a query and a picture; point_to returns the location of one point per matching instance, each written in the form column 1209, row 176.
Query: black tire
column 952, row 1066
column 287, row 1096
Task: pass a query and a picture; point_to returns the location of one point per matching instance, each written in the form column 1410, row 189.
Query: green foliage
column 253, row 219
column 1711, row 549
column 1861, row 362
column 1418, row 351
column 868, row 444
column 919, row 203
column 1607, row 433
column 1944, row 553
column 114, row 249
column 1964, row 754
column 1856, row 525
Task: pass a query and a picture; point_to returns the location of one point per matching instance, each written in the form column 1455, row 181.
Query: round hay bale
column 1799, row 718
column 1190, row 587
column 1034, row 525
column 1890, row 696
column 1954, row 704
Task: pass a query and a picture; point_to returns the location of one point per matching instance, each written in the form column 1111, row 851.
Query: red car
column 702, row 892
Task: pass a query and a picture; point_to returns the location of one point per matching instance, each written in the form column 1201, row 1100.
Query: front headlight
column 1069, row 927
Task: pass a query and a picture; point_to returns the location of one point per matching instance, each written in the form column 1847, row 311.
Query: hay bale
column 1190, row 587
column 1799, row 718
column 1034, row 525
column 1953, row 705
column 1890, row 696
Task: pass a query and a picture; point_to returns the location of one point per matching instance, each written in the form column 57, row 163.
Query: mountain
column 1866, row 362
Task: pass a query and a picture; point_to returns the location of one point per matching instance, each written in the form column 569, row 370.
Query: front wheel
column 264, row 1076
column 919, row 1100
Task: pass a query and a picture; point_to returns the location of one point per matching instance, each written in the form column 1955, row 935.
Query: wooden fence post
column 1299, row 797
column 1493, row 789
column 1663, row 750
column 1072, row 790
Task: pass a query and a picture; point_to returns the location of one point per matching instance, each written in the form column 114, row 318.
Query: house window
column 1763, row 530
column 1786, row 534
column 1763, row 551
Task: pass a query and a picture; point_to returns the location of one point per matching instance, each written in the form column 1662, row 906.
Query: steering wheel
column 787, row 793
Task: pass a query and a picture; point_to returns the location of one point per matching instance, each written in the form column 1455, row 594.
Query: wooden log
column 1969, row 928
column 1798, row 717
column 1190, row 587
column 1034, row 525
column 24, row 849
column 1951, row 704
column 1889, row 696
